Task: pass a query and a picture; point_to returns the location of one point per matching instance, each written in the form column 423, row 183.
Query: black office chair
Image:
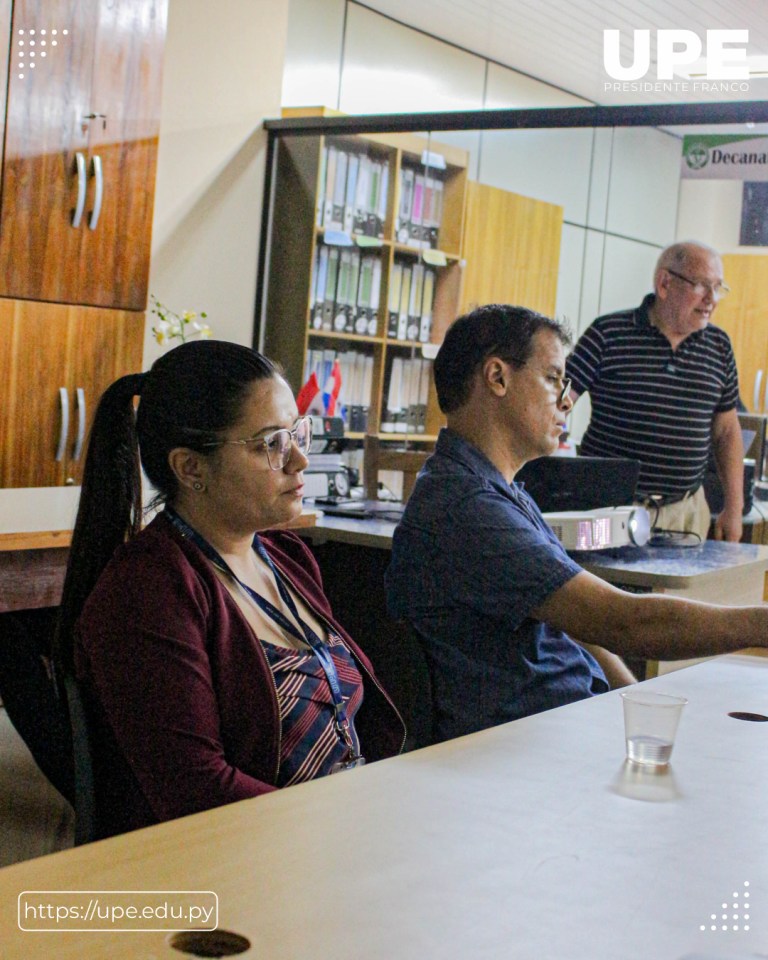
column 30, row 698
column 85, row 791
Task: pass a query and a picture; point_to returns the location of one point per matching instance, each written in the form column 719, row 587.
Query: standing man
column 663, row 384
column 503, row 613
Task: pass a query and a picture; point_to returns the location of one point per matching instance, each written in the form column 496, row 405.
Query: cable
column 673, row 538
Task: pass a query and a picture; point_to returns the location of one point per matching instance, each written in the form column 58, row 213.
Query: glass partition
column 376, row 242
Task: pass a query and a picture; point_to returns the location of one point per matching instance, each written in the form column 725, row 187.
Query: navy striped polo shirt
column 651, row 403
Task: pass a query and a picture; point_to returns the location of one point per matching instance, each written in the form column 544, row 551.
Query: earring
column 197, row 485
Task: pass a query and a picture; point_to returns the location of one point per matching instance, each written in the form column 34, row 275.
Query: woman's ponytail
column 110, row 505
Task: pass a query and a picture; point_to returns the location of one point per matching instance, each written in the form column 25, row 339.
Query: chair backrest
column 30, row 698
column 377, row 457
column 85, row 791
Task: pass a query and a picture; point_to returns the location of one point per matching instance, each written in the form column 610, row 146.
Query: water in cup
column 650, row 724
column 649, row 750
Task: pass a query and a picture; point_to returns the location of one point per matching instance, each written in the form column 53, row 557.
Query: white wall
column 223, row 74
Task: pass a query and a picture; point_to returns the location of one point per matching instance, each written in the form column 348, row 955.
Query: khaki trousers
column 690, row 514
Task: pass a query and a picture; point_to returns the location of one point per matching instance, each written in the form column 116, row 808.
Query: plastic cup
column 650, row 724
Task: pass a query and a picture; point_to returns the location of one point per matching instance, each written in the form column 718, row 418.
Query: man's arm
column 728, row 448
column 647, row 626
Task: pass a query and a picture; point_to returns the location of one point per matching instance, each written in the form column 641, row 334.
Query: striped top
column 651, row 403
column 309, row 746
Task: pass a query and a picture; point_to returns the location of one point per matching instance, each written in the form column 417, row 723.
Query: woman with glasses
column 207, row 656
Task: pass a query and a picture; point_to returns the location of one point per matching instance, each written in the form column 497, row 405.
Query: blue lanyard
column 308, row 634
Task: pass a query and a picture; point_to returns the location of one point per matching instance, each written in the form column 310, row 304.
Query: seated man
column 481, row 577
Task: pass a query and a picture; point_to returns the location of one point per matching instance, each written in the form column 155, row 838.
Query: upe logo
column 697, row 155
column 675, row 48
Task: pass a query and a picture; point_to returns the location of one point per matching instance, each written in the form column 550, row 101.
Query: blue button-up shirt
column 471, row 559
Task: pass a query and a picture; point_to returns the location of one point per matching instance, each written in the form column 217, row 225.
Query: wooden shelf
column 35, row 541
column 361, row 338
column 392, row 342
column 354, row 435
column 416, row 251
column 426, row 437
column 380, row 242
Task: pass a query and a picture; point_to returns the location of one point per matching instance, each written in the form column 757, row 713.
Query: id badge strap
column 309, row 635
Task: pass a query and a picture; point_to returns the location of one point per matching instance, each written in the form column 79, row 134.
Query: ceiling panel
column 561, row 41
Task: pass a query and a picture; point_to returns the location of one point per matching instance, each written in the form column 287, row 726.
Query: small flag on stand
column 332, row 390
column 309, row 397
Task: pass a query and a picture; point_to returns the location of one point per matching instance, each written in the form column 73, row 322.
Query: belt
column 665, row 500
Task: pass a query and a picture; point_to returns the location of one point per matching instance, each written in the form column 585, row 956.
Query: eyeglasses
column 700, row 287
column 279, row 443
column 564, row 392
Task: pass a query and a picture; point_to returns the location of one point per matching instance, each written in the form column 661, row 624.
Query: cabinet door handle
column 81, row 184
column 80, row 423
column 756, row 394
column 99, row 196
column 63, row 433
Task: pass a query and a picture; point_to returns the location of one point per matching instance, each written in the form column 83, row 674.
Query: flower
column 175, row 327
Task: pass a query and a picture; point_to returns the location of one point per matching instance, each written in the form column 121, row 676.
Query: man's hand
column 728, row 526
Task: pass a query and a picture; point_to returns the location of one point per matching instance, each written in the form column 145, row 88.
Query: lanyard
column 308, row 634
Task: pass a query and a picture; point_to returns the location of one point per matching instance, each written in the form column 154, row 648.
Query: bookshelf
column 372, row 254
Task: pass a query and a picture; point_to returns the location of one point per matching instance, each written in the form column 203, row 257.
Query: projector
column 601, row 529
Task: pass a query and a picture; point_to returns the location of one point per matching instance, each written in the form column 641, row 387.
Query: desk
column 715, row 572
column 511, row 843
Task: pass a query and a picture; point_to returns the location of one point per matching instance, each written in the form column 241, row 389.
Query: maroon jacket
column 181, row 699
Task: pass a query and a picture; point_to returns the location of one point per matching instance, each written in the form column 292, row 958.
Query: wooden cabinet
column 512, row 249
column 743, row 314
column 55, row 362
column 82, row 126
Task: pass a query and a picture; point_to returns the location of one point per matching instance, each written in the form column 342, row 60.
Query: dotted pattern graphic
column 743, row 907
column 31, row 44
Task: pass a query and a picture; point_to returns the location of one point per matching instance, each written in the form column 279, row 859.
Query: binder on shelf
column 426, row 373
column 416, row 226
column 367, row 390
column 354, row 282
column 339, row 192
column 364, row 295
column 405, row 301
column 373, row 199
column 414, row 394
column 330, row 182
column 414, row 304
column 342, row 292
column 322, row 276
column 330, row 289
column 373, row 308
column 436, row 213
column 401, row 416
column 381, row 200
column 351, row 190
column 357, row 374
column 362, row 193
column 389, row 416
column 320, row 209
column 406, row 205
column 395, row 282
column 427, row 301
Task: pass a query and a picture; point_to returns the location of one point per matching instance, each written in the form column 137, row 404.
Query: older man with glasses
column 664, row 390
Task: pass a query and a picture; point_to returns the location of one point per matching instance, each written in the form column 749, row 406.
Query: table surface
column 657, row 566
column 530, row 840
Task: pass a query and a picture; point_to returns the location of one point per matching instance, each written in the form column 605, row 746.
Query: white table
column 511, row 843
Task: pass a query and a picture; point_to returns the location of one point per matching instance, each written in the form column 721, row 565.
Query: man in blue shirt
column 481, row 577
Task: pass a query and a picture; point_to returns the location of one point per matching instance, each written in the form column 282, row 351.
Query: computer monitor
column 580, row 483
